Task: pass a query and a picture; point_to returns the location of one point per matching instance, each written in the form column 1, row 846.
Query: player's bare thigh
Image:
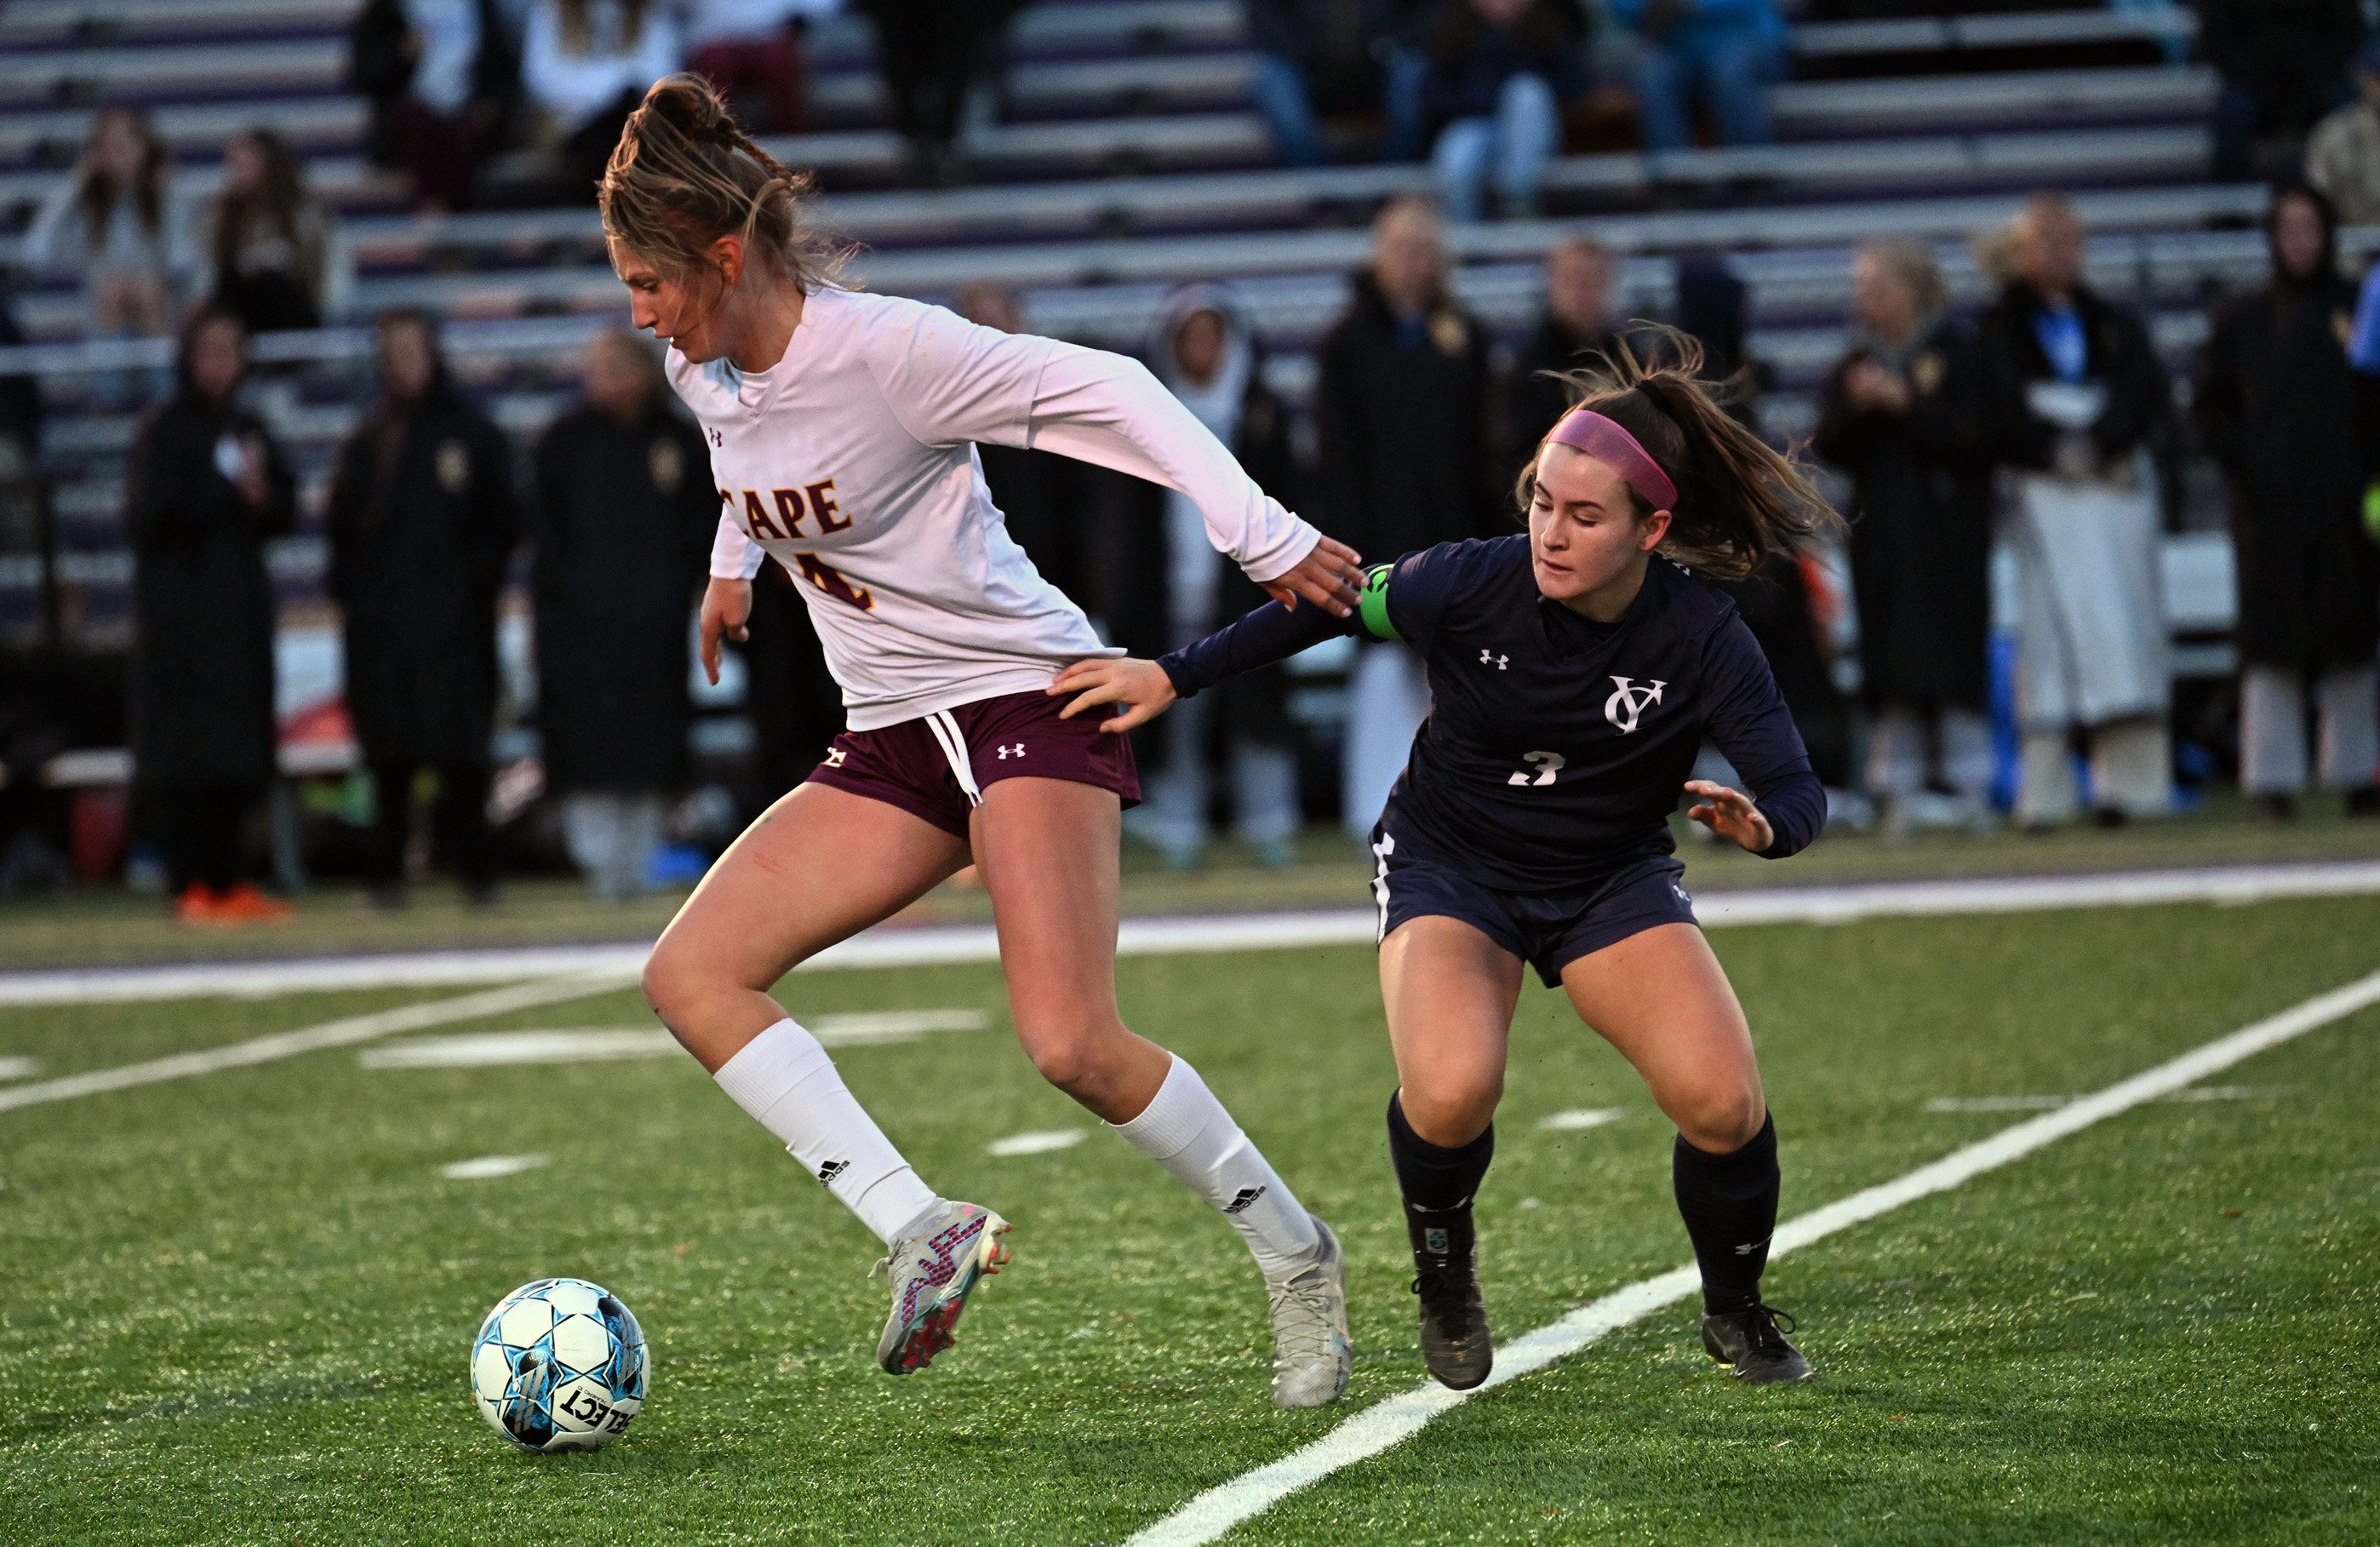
column 1449, row 992
column 819, row 866
column 1661, row 998
column 1046, row 850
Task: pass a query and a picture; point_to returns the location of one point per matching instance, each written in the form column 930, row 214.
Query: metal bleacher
column 1128, row 161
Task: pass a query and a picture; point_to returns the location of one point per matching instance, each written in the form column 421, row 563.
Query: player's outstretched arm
column 1141, row 687
column 1730, row 814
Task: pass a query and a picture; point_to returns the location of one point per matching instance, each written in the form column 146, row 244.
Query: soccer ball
column 559, row 1365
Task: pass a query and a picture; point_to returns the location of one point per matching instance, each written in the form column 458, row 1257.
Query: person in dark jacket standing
column 1897, row 418
column 423, row 519
column 2075, row 403
column 2275, row 406
column 205, row 490
column 1403, row 409
column 621, row 524
column 1581, row 324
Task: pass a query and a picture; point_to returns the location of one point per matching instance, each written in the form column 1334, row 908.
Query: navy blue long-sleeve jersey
column 1556, row 747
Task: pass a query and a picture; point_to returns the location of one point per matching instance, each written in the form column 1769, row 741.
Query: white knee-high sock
column 788, row 1084
column 1186, row 1130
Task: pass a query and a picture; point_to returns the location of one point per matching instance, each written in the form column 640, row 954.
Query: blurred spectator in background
column 20, row 397
column 1328, row 58
column 621, row 523
column 441, row 76
column 422, row 521
column 2343, row 156
column 1500, row 71
column 1047, row 498
column 1899, row 417
column 930, row 52
column 2275, row 406
column 2284, row 65
column 585, row 65
column 1579, row 324
column 1180, row 589
column 204, row 489
column 112, row 229
column 1720, row 54
column 1401, row 408
column 2073, row 395
column 753, row 50
column 266, row 241
column 1785, row 603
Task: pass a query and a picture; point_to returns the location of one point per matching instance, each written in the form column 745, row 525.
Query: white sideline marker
column 1384, row 1424
column 2046, row 1103
column 1039, row 1142
column 17, row 1068
column 944, row 945
column 488, row 1167
column 1583, row 1118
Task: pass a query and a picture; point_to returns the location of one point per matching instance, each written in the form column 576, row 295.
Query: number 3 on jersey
column 1545, row 764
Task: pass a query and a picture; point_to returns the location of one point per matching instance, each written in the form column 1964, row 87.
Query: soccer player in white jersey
column 842, row 429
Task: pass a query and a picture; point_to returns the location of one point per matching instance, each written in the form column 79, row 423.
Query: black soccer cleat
column 1455, row 1343
column 1754, row 1347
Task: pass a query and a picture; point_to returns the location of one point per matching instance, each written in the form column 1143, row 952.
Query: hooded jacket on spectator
column 2275, row 406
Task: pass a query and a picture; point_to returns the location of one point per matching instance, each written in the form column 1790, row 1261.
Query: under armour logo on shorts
column 1489, row 658
column 1016, row 751
column 835, row 756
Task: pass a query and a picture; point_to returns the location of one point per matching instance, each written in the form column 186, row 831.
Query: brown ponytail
column 684, row 176
column 1740, row 500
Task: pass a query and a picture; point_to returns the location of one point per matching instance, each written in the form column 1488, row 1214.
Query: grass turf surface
column 237, row 1307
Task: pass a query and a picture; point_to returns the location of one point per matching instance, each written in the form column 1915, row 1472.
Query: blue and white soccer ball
column 559, row 1365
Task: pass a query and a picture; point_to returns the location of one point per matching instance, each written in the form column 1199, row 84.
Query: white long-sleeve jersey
column 852, row 462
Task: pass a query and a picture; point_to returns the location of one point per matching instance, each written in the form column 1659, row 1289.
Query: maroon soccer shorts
column 937, row 766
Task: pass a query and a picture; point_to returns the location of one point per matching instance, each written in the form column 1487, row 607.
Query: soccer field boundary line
column 344, row 1032
column 1387, row 1423
column 961, row 945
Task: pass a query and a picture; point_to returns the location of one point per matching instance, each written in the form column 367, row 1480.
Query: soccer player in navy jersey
column 1574, row 673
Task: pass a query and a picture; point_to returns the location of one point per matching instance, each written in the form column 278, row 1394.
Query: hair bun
column 691, row 106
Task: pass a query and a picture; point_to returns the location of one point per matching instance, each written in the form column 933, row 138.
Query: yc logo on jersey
column 1628, row 702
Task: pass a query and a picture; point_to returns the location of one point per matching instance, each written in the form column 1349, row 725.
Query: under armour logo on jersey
column 1245, row 1196
column 718, row 439
column 1489, row 658
column 1016, row 751
column 832, row 1169
column 835, row 756
column 1628, row 701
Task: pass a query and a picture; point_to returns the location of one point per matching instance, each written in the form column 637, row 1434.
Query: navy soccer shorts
column 1548, row 930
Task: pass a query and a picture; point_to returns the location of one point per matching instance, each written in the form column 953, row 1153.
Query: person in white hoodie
column 1202, row 348
column 585, row 65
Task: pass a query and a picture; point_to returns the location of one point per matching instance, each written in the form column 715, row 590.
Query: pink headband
column 1603, row 439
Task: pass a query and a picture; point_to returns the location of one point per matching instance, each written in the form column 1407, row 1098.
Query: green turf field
column 237, row 1307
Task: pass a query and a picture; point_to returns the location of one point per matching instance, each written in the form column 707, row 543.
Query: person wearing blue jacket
column 1725, row 54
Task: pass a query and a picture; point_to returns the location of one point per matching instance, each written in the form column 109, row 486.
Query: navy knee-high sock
column 1431, row 1175
column 1730, row 1206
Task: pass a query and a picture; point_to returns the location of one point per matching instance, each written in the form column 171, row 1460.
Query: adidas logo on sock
column 1247, row 1196
column 832, row 1169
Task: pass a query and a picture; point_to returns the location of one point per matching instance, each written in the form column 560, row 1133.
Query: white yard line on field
column 951, row 944
column 342, row 1032
column 1376, row 1428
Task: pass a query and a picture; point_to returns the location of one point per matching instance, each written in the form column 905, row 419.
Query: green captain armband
column 1372, row 607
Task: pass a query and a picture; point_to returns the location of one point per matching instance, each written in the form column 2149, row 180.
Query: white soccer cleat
column 933, row 1268
column 1311, row 1353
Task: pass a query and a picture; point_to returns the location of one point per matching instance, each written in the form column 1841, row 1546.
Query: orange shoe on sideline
column 245, row 905
column 197, row 905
